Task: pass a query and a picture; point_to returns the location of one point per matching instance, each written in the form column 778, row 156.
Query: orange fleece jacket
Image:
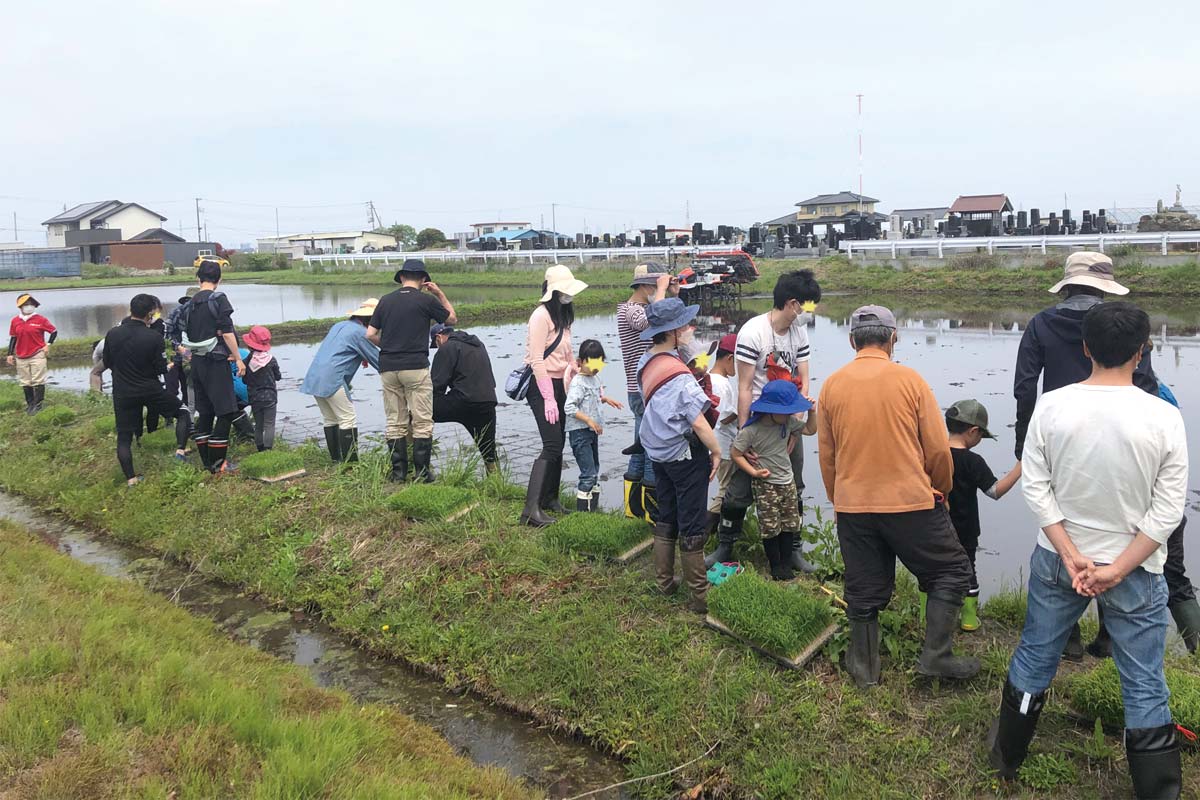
column 882, row 440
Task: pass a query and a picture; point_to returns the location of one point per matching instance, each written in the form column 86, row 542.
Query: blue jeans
column 1135, row 613
column 639, row 465
column 585, row 444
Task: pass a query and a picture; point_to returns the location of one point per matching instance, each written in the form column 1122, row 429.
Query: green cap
column 971, row 412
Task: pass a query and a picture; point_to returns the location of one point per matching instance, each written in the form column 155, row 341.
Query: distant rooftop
column 80, row 211
column 840, row 197
column 970, row 203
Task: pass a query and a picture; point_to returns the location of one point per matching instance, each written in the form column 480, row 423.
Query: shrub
column 258, row 262
column 430, row 501
column 169, row 267
column 1097, row 694
column 779, row 618
column 599, row 535
column 270, row 463
column 55, row 416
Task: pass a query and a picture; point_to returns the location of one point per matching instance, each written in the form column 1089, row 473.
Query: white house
column 121, row 221
column 298, row 244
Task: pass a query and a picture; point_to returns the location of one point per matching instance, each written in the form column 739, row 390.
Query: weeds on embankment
column 96, row 703
column 583, row 645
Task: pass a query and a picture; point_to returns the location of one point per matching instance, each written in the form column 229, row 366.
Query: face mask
column 684, row 336
column 28, row 309
column 565, row 299
column 594, row 364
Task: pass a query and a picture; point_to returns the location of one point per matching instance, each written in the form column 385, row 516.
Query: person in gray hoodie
column 464, row 387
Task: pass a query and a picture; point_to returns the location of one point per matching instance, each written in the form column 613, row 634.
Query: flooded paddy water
column 964, row 346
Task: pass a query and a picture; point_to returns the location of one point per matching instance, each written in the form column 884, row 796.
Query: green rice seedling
column 160, row 441
column 461, row 467
column 1097, row 694
column 105, row 426
column 599, row 535
column 55, row 416
column 1006, row 607
column 271, row 463
column 779, row 618
column 430, row 501
column 11, row 404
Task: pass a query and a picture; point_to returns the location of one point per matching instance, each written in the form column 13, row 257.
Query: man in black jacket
column 134, row 352
column 464, row 388
column 1052, row 348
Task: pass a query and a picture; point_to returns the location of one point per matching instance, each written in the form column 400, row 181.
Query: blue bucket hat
column 411, row 265
column 778, row 397
column 667, row 315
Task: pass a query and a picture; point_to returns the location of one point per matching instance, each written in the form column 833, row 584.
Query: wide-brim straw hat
column 367, row 309
column 1089, row 269
column 560, row 279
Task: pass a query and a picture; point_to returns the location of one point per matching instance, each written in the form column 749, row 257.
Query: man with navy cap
column 464, row 387
column 400, row 328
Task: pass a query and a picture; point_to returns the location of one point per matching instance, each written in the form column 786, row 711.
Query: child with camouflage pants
column 770, row 434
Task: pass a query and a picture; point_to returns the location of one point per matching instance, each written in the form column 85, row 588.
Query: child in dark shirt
column 966, row 422
column 262, row 373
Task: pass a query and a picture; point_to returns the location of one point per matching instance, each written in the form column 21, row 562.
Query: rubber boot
column 970, row 613
column 596, row 497
column 633, row 500
column 29, row 401
column 550, row 500
column 650, row 503
column 332, row 443
column 1101, row 646
column 39, row 398
column 862, row 656
column 422, row 454
column 583, row 501
column 1073, row 651
column 398, row 450
column 348, row 444
column 695, row 575
column 714, row 522
column 635, row 449
column 922, row 601
column 533, row 515
column 936, row 660
column 729, row 531
column 664, row 560
column 799, row 562
column 1187, row 619
column 1154, row 766
column 771, row 548
column 489, row 467
column 1011, row 733
column 787, row 547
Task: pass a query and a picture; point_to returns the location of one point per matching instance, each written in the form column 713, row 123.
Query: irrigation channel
column 560, row 765
column 964, row 346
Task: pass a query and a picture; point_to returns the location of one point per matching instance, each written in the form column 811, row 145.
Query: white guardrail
column 894, row 247
column 509, row 256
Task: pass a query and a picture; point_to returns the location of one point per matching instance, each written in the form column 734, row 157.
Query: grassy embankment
column 95, row 703
column 583, row 645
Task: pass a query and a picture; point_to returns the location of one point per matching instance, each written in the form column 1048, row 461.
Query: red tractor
column 716, row 276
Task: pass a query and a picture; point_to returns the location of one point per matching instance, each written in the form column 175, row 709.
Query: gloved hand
column 546, row 387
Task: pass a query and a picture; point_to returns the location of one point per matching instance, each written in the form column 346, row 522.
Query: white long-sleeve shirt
column 1107, row 462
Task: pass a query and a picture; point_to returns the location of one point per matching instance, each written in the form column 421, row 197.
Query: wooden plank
column 287, row 476
column 462, row 512
column 635, row 551
column 796, row 662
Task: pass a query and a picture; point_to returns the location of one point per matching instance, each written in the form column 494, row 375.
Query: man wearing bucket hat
column 27, row 347
column 885, row 459
column 336, row 363
column 1052, row 349
column 682, row 446
column 652, row 281
column 400, row 327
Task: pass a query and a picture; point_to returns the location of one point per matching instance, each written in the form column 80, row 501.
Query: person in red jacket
column 27, row 347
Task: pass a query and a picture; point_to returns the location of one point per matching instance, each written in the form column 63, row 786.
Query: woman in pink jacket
column 548, row 353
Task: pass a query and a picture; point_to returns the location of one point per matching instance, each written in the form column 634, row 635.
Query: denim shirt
column 337, row 360
column 583, row 395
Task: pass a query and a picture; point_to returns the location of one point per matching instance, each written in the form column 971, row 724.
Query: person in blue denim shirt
column 1105, row 473
column 585, row 422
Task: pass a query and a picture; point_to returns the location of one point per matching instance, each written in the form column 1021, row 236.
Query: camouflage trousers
column 778, row 508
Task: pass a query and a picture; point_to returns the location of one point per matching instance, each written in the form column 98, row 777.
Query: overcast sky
column 624, row 114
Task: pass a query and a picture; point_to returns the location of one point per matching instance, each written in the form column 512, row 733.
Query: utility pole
column 15, row 239
column 197, row 217
column 554, row 225
column 860, row 157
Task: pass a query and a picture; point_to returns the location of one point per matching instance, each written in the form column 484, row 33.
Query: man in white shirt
column 1105, row 473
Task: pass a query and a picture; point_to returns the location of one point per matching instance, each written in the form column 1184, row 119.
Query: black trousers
column 682, row 493
column 478, row 418
column 1179, row 588
column 924, row 541
column 553, row 437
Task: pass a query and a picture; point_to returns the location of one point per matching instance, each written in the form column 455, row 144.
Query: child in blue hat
column 770, row 433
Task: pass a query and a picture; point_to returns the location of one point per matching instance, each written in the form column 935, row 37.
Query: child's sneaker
column 227, row 468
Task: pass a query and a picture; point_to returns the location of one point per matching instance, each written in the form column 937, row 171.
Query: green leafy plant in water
column 781, row 618
column 595, row 534
column 823, row 550
column 1045, row 772
column 270, row 463
column 430, row 501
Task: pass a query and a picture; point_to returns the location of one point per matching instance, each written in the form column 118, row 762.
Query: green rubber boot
column 969, row 619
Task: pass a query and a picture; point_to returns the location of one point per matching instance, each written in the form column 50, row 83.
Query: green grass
column 54, row 416
column 96, row 703
column 11, row 404
column 161, row 441
column 1006, row 607
column 430, row 501
column 270, row 463
column 105, row 426
column 1097, row 694
column 598, row 535
column 782, row 619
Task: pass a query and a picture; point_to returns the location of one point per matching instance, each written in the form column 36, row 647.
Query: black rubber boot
column 771, row 549
column 728, row 532
column 422, row 455
column 650, row 503
column 862, row 656
column 348, row 444
column 633, row 500
column 583, row 501
column 332, row 443
column 29, row 399
column 787, row 541
column 533, row 515
column 1101, row 646
column 398, row 450
column 634, row 449
column 714, row 522
column 1153, row 755
column 1187, row 619
column 1073, row 651
column 941, row 621
column 39, row 398
column 549, row 499
column 1011, row 733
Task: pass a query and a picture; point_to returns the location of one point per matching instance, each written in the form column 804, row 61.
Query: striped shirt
column 631, row 321
column 757, row 340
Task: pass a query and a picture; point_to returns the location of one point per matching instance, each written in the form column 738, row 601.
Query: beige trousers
column 723, row 472
column 338, row 410
column 32, row 371
column 408, row 393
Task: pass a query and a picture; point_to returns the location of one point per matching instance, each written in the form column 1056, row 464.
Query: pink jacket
column 541, row 334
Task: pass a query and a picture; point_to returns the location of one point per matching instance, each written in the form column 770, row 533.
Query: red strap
column 1189, row 735
column 659, row 369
